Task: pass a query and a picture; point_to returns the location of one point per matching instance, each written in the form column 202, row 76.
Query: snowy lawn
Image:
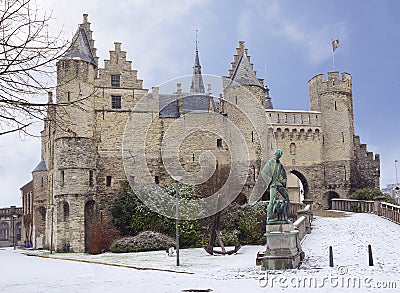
column 157, row 272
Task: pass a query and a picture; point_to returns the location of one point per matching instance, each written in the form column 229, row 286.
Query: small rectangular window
column 157, row 179
column 115, row 80
column 90, row 177
column 62, row 175
column 115, row 102
column 219, row 142
column 108, row 181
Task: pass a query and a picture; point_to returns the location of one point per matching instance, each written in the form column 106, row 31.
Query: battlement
column 362, row 151
column 298, row 118
column 295, row 133
column 319, row 85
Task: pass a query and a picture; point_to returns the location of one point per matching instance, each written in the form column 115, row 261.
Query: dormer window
column 115, row 80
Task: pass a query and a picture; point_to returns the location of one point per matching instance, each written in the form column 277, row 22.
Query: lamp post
column 52, row 227
column 14, row 218
column 177, row 178
column 396, row 189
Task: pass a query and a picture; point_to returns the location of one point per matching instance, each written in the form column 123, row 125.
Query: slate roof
column 41, row 166
column 80, row 48
column 168, row 104
column 244, row 73
column 196, row 103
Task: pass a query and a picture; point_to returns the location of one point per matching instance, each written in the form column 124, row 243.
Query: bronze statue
column 274, row 174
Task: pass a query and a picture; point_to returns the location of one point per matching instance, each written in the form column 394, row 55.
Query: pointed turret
column 197, row 85
column 82, row 45
column 242, row 72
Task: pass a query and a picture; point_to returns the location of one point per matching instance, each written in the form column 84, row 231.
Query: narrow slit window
column 108, row 181
column 90, row 177
column 157, row 179
column 62, row 177
column 219, row 142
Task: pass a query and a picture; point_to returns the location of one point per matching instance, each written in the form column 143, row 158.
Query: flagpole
column 333, row 60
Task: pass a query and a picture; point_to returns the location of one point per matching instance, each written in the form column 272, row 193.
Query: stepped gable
column 242, row 70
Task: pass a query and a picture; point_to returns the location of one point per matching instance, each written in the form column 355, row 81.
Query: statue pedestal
column 283, row 249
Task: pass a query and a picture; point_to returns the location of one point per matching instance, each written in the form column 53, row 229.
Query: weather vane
column 197, row 42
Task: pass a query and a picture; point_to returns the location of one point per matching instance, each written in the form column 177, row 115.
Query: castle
column 82, row 140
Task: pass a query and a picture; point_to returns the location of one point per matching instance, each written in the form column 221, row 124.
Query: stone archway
column 63, row 227
column 90, row 217
column 328, row 196
column 40, row 227
column 303, row 184
column 4, row 231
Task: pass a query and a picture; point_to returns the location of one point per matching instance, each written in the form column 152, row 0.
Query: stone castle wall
column 85, row 148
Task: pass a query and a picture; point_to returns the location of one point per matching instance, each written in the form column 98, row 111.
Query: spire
column 82, row 45
column 197, row 85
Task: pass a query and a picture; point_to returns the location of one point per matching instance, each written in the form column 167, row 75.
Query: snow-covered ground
column 157, row 272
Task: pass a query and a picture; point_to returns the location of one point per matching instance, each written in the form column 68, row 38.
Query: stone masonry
column 82, row 140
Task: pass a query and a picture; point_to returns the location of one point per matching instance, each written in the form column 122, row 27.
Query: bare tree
column 27, row 57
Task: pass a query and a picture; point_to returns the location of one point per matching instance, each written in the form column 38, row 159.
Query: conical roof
column 41, row 166
column 80, row 48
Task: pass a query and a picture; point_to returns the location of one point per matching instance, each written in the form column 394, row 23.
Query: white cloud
column 150, row 31
column 269, row 19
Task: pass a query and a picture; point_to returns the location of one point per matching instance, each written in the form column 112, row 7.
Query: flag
column 335, row 44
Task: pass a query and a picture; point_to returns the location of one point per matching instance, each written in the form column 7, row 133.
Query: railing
column 303, row 222
column 294, row 207
column 377, row 206
column 390, row 211
column 353, row 205
column 294, row 118
column 11, row 211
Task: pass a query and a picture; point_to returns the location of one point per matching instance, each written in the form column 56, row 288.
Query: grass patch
column 331, row 214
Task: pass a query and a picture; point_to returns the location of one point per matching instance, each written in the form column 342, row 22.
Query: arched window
column 4, row 231
column 292, row 148
column 65, row 210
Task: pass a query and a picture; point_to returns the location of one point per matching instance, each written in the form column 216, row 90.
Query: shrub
column 244, row 224
column 132, row 217
column 145, row 241
column 370, row 194
column 101, row 235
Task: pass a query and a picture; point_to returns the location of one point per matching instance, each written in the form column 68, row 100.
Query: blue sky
column 289, row 43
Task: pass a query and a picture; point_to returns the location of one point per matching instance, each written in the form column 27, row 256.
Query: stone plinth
column 283, row 250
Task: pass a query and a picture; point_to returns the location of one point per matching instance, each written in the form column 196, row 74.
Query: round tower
column 334, row 99
column 75, row 148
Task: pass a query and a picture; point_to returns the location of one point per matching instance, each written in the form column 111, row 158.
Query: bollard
column 370, row 260
column 330, row 257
